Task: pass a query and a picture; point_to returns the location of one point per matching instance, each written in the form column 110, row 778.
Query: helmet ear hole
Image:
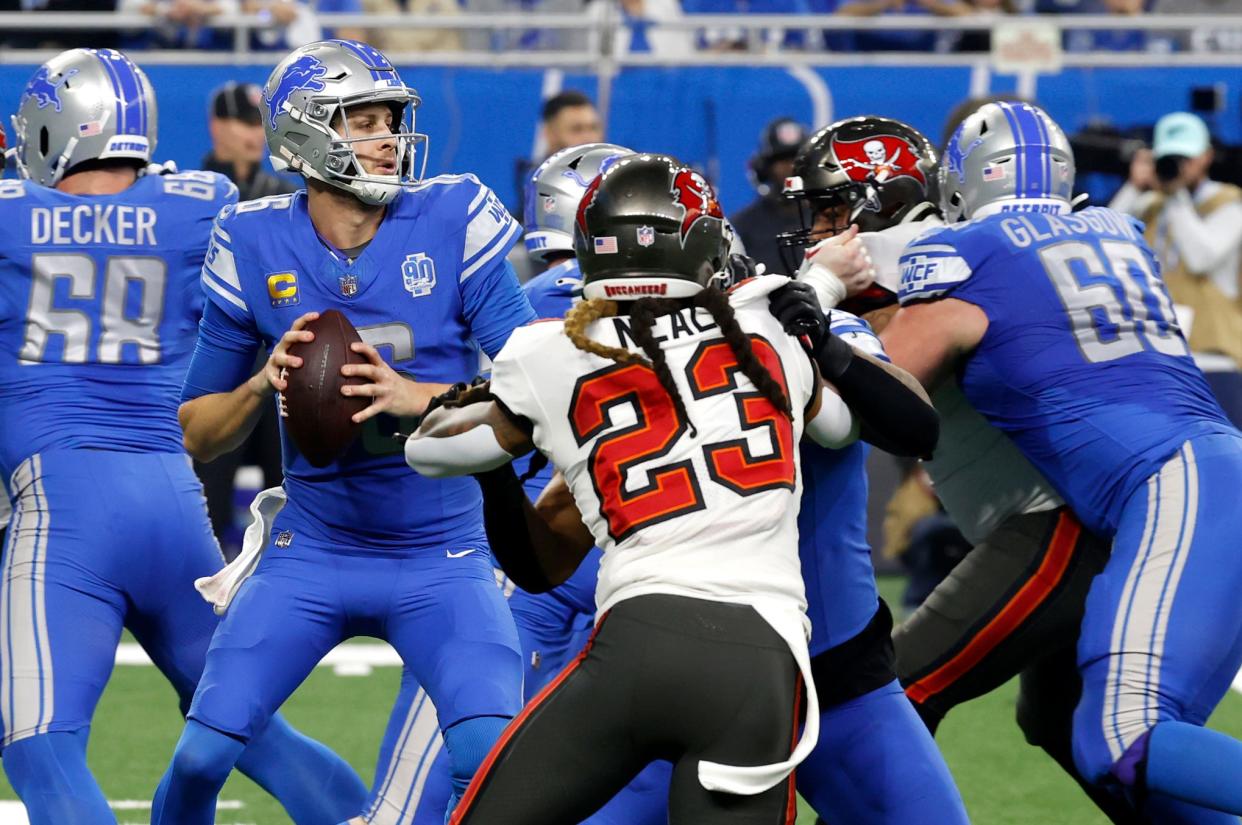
column 983, row 128
column 44, row 141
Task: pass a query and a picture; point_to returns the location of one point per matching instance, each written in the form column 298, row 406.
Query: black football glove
column 737, row 269
column 796, row 306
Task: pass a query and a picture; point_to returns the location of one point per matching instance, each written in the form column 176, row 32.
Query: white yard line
column 345, row 660
column 14, row 813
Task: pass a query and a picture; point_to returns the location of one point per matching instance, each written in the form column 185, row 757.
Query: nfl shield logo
column 549, row 204
column 284, row 538
column 646, row 236
column 349, row 285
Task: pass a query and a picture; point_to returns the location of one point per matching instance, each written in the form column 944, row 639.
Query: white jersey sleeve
column 512, row 370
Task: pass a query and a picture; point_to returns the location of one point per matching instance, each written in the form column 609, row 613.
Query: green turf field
column 1004, row 781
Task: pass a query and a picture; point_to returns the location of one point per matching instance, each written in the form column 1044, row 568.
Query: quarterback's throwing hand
column 389, row 391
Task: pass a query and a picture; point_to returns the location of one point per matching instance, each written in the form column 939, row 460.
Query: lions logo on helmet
column 44, row 91
column 302, row 74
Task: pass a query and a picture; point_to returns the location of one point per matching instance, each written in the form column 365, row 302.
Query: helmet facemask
column 822, row 214
column 342, row 167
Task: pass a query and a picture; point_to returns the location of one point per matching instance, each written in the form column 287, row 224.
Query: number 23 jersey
column 709, row 513
column 1083, row 363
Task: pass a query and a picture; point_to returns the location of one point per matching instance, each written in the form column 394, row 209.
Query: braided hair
column 643, row 314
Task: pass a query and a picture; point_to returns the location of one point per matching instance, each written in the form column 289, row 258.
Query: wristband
column 828, row 287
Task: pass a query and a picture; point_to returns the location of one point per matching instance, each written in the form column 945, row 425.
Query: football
column 319, row 416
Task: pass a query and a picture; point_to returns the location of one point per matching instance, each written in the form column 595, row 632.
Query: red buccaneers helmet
column 870, row 171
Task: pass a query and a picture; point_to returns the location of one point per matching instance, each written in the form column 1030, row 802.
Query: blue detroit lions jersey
column 99, row 303
column 551, row 293
column 429, row 291
column 841, row 596
column 1083, row 363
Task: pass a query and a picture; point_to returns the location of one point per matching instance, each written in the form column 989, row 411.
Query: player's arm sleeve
column 495, row 304
column 492, row 298
column 857, row 333
column 931, row 268
column 224, row 355
column 227, row 338
column 221, row 281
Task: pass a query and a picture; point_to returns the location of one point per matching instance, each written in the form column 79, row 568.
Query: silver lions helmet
column 1005, row 152
column 304, row 104
column 554, row 190
column 82, row 105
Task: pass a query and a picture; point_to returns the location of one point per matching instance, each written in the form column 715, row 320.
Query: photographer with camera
column 1195, row 226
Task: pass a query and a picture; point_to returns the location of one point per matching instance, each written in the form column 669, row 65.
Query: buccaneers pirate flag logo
column 878, row 159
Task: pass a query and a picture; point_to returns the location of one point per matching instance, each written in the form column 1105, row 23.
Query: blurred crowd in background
column 644, row 24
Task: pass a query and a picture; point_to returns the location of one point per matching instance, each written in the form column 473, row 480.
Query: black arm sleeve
column 506, row 515
column 894, row 418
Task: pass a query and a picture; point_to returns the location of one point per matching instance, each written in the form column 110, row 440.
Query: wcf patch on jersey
column 282, row 289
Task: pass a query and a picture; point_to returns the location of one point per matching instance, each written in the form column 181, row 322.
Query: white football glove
column 837, row 267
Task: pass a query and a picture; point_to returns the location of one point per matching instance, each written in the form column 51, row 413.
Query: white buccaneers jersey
column 705, row 507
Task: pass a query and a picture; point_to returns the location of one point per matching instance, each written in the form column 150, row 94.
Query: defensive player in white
column 690, row 486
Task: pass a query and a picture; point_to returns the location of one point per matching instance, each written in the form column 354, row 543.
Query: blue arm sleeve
column 223, row 356
column 495, row 305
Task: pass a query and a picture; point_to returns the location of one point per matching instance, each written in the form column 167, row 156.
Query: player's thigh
column 716, row 684
column 1162, row 637
column 169, row 618
column 1017, row 594
column 454, row 631
column 546, row 627
column 570, row 750
column 411, row 765
column 61, row 613
column 283, row 620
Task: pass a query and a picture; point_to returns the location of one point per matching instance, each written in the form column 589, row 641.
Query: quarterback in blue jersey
column 1063, row 336
column 361, row 547
column 99, row 299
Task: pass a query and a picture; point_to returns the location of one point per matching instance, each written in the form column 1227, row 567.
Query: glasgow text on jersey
column 114, row 224
column 1022, row 232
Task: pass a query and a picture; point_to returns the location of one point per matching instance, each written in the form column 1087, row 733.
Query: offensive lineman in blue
column 1064, row 337
column 362, row 546
column 99, row 299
